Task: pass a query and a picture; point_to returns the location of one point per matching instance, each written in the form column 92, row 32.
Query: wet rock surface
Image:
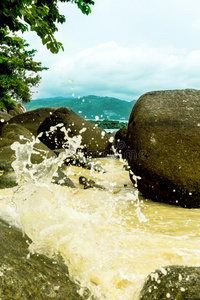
column 24, row 126
column 61, row 178
column 85, row 163
column 31, row 120
column 95, row 142
column 89, row 183
column 164, row 142
column 121, row 142
column 9, row 134
column 31, row 276
column 173, row 282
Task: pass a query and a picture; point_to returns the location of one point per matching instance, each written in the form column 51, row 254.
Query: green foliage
column 88, row 107
column 41, row 16
column 6, row 103
column 18, row 70
column 110, row 124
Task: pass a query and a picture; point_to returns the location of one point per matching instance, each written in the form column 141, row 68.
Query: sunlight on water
column 111, row 239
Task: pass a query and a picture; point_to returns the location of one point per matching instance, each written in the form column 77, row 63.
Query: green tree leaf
column 41, row 16
column 18, row 70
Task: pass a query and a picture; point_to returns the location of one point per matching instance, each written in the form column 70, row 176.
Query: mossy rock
column 25, row 276
column 9, row 134
column 31, row 120
column 94, row 141
column 172, row 282
column 164, row 142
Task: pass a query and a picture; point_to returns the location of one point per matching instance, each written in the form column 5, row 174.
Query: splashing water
column 110, row 239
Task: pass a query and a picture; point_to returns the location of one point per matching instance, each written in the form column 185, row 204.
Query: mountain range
column 89, row 107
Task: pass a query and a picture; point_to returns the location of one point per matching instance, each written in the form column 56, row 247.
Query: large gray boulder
column 172, row 282
column 25, row 276
column 164, row 143
column 95, row 142
column 31, row 120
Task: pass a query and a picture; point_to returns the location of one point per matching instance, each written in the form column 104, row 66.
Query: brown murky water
column 110, row 239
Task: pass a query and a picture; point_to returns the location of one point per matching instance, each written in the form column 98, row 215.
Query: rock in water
column 121, row 142
column 82, row 161
column 10, row 133
column 95, row 142
column 35, row 277
column 61, row 178
column 89, row 183
column 31, row 120
column 164, row 143
column 173, row 282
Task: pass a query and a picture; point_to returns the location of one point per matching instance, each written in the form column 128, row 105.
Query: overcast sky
column 123, row 49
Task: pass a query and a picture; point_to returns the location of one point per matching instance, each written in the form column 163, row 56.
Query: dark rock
column 95, row 142
column 89, row 183
column 9, row 134
column 35, row 277
column 61, row 179
column 173, row 282
column 13, row 112
column 126, row 167
column 95, row 167
column 31, row 120
column 8, row 179
column 121, row 142
column 164, row 142
column 84, row 162
column 80, row 160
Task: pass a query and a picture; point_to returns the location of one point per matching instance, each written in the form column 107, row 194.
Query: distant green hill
column 88, row 107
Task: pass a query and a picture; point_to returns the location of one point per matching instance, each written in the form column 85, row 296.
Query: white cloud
column 196, row 25
column 112, row 70
column 123, row 49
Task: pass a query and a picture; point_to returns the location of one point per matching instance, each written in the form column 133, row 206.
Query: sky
column 123, row 49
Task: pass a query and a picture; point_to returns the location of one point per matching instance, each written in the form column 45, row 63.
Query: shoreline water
column 111, row 239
